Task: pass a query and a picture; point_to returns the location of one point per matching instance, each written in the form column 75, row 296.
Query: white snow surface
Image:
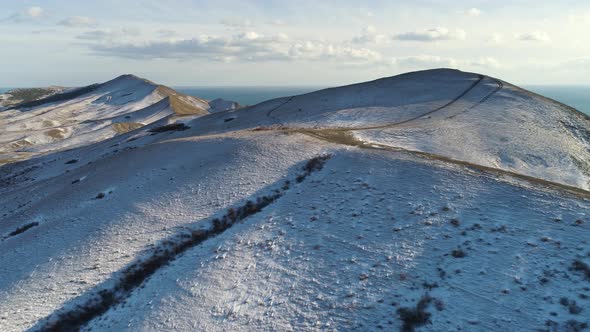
column 480, row 205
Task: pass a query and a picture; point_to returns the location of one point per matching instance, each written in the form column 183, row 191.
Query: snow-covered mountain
column 90, row 114
column 436, row 200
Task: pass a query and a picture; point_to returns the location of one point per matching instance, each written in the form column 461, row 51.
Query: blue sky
column 222, row 42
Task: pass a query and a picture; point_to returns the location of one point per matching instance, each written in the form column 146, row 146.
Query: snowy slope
column 230, row 221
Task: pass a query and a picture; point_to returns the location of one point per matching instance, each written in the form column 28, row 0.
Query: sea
column 577, row 97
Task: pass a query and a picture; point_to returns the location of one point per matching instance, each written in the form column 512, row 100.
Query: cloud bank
column 432, row 35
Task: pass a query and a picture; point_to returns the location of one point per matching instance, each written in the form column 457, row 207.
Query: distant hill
column 74, row 117
column 25, row 95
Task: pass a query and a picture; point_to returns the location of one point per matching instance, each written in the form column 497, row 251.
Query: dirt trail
column 346, row 137
column 404, row 122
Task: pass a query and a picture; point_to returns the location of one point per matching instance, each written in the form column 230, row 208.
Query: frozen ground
column 442, row 207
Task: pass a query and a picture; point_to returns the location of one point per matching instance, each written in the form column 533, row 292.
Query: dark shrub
column 415, row 317
column 458, row 253
column 316, row 164
column 170, row 127
column 23, row 229
column 580, row 266
column 58, row 97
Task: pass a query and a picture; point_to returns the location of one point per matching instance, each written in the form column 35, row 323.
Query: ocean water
column 246, row 95
column 577, row 97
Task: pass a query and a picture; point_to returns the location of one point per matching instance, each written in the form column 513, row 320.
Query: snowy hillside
column 435, row 201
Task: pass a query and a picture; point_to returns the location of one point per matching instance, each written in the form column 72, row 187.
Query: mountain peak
column 129, row 79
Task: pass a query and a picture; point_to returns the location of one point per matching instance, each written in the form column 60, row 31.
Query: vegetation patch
column 55, row 133
column 458, row 253
column 312, row 165
column 124, row 127
column 20, row 143
column 57, row 97
column 569, row 326
column 580, row 266
column 22, row 229
column 417, row 316
column 170, row 127
column 572, row 306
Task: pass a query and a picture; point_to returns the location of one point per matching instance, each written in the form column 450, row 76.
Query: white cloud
column 579, row 18
column 369, row 35
column 29, row 14
column 109, row 35
column 277, row 22
column 485, row 62
column 496, row 38
column 425, row 61
column 314, row 50
column 435, row 61
column 536, row 36
column 432, row 35
column 473, row 12
column 167, row 33
column 34, row 11
column 247, row 46
column 578, row 65
column 78, row 22
column 236, row 22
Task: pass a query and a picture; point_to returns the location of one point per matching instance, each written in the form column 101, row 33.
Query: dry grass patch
column 124, row 127
column 56, row 133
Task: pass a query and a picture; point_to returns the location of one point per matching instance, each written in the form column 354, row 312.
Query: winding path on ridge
column 344, row 136
column 450, row 103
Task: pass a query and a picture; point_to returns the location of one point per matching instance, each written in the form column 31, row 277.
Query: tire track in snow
column 484, row 99
column 440, row 108
column 268, row 114
column 446, row 105
column 77, row 312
